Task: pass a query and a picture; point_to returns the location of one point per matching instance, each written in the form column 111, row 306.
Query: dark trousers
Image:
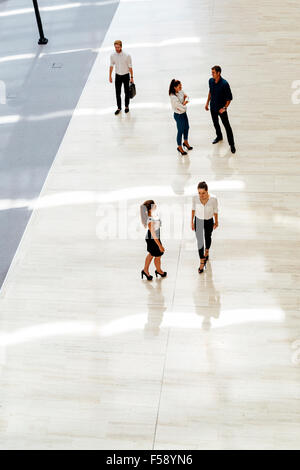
column 122, row 79
column 182, row 127
column 203, row 229
column 224, row 118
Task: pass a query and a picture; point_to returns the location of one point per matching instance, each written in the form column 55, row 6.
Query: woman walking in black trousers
column 204, row 221
column 155, row 249
column 179, row 101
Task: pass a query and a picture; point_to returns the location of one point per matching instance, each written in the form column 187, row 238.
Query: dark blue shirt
column 220, row 93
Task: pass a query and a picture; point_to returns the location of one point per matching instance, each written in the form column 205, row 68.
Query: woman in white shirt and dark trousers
column 151, row 220
column 178, row 102
column 204, row 221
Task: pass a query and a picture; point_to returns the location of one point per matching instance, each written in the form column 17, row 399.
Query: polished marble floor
column 91, row 356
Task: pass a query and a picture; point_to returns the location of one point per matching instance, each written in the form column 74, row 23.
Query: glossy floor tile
column 91, row 356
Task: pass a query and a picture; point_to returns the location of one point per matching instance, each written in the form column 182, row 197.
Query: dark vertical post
column 42, row 39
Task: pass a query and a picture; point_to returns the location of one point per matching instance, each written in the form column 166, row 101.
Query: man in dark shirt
column 219, row 97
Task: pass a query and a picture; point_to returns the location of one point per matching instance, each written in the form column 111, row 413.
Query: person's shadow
column 222, row 162
column 207, row 298
column 182, row 176
column 156, row 308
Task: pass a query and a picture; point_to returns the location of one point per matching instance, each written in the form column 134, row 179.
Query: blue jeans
column 182, row 127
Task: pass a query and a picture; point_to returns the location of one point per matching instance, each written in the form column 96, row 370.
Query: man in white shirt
column 124, row 74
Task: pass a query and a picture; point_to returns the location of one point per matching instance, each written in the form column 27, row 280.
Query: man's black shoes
column 126, row 110
column 232, row 149
column 117, row 112
column 217, row 139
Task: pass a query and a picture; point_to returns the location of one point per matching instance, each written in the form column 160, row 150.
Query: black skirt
column 152, row 246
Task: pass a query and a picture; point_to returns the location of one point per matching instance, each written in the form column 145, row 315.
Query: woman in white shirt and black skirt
column 204, row 221
column 179, row 101
column 152, row 222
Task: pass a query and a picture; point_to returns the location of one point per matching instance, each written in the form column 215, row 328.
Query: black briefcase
column 132, row 90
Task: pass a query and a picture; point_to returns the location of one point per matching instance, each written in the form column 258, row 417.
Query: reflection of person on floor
column 207, row 300
column 124, row 74
column 182, row 176
column 179, row 100
column 151, row 220
column 204, row 221
column 296, row 353
column 156, row 308
column 220, row 97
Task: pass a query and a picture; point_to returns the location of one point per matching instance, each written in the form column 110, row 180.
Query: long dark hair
column 203, row 185
column 145, row 208
column 172, row 86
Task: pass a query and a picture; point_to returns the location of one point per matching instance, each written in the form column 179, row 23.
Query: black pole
column 42, row 39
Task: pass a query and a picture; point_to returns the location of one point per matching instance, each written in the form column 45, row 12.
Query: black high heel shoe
column 200, row 270
column 149, row 278
column 161, row 275
column 182, row 153
column 187, row 147
column 206, row 258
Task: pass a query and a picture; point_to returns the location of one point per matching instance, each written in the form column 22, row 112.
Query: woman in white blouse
column 152, row 222
column 204, row 221
column 179, row 101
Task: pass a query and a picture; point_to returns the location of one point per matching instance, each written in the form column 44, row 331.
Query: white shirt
column 156, row 221
column 176, row 102
column 205, row 211
column 122, row 62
